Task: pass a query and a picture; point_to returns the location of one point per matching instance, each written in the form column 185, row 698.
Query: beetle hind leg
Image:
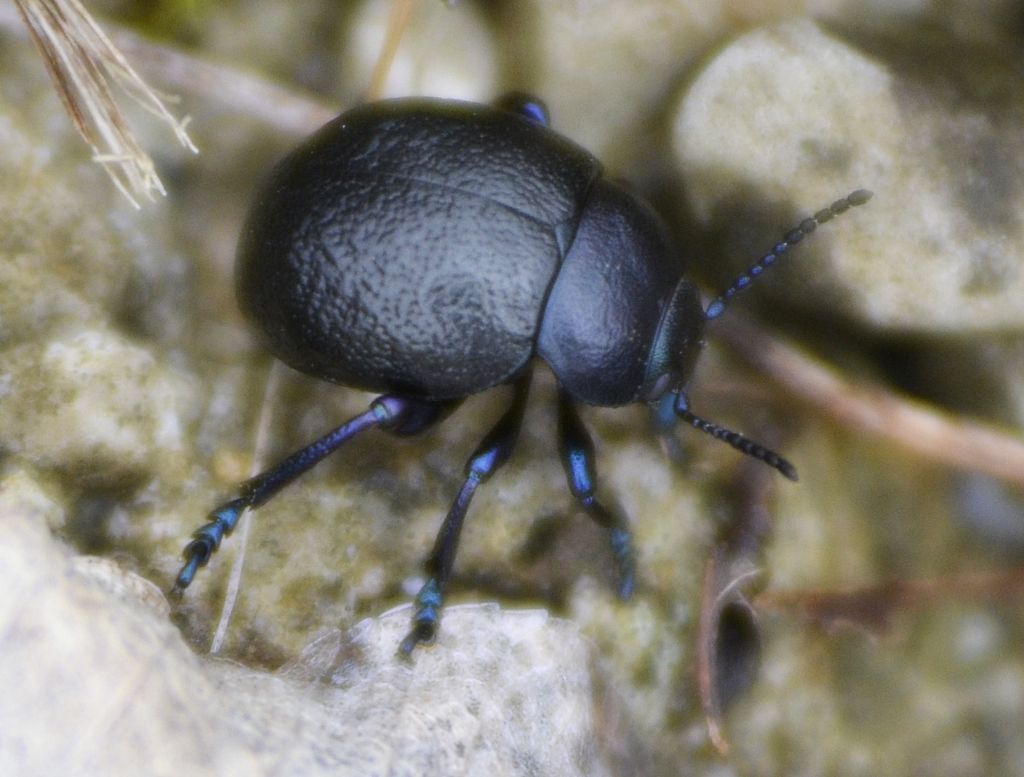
column 577, row 451
column 401, row 415
column 492, row 452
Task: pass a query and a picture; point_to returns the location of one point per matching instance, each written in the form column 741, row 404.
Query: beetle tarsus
column 206, row 540
column 427, row 618
column 403, row 415
column 621, row 541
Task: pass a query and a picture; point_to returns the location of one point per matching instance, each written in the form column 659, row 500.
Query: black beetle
column 429, row 250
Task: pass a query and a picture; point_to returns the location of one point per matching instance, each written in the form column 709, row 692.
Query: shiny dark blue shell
column 409, row 246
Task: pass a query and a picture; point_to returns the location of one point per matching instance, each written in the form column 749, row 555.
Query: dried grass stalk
column 83, row 62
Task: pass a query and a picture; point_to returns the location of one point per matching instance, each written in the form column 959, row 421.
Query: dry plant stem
column 398, row 20
column 284, row 109
column 871, row 607
column 718, row 589
column 959, row 442
column 705, row 658
column 82, row 63
column 259, row 455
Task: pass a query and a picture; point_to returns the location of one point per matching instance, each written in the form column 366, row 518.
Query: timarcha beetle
column 431, row 249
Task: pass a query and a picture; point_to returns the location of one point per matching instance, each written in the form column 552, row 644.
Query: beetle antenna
column 794, row 236
column 735, row 439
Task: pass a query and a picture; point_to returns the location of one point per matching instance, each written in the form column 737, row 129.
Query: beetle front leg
column 663, row 423
column 577, row 451
column 492, row 452
column 401, row 415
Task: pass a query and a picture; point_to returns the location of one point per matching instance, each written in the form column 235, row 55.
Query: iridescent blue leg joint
column 664, row 422
column 206, row 540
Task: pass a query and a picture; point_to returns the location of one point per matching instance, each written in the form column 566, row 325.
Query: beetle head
column 677, row 343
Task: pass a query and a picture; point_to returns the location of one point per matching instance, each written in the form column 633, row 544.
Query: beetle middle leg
column 394, row 413
column 577, row 451
column 492, row 452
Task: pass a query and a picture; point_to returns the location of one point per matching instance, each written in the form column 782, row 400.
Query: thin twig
column 398, row 20
column 926, row 430
column 259, row 456
column 285, row 108
column 705, row 663
column 871, row 607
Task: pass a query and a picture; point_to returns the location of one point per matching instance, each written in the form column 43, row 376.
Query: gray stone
column 87, row 648
column 92, row 404
column 787, row 118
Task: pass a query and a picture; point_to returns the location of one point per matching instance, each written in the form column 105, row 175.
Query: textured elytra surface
column 409, row 246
